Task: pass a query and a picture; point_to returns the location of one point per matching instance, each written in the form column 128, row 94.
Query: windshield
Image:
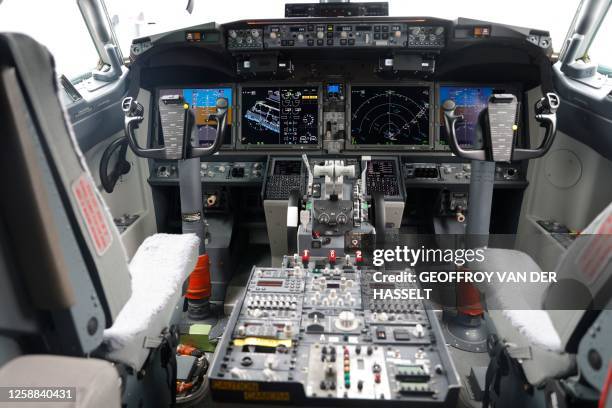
column 138, row 18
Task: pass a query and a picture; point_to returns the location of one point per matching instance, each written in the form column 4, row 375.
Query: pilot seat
column 69, row 257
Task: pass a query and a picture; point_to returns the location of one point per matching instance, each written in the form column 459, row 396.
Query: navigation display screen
column 470, row 102
column 390, row 115
column 203, row 103
column 280, row 116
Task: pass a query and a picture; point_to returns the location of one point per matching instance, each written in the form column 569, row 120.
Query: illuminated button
column 332, row 256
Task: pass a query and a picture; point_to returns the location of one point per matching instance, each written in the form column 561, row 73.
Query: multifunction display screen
column 280, row 116
column 470, row 102
column 390, row 115
column 203, row 103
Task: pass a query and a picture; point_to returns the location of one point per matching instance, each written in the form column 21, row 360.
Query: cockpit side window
column 58, row 25
column 600, row 50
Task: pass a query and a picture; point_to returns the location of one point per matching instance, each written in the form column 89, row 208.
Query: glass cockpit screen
column 470, row 102
column 280, row 116
column 203, row 103
column 390, row 115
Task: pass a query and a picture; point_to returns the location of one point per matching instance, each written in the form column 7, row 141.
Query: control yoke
column 178, row 128
column 498, row 123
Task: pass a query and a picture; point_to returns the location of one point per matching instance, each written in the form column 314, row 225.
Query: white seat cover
column 159, row 268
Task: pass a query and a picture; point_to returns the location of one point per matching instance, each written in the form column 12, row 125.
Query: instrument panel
column 379, row 116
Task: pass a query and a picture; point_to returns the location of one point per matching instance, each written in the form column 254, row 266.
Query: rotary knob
column 300, row 37
column 255, row 33
column 323, row 218
column 233, row 33
column 320, row 35
column 341, row 219
column 347, row 321
column 273, row 35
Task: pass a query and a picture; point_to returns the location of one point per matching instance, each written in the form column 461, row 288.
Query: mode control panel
column 337, row 34
column 426, row 36
column 249, row 39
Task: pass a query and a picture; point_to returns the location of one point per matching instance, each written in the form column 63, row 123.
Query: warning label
column 93, row 213
column 598, row 253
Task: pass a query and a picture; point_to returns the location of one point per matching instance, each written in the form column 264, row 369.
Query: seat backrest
column 584, row 286
column 65, row 244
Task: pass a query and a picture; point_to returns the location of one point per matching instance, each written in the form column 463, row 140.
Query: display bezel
column 155, row 98
column 366, row 147
column 513, row 88
column 279, row 147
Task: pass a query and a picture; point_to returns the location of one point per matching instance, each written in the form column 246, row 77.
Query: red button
column 358, row 257
column 305, row 256
column 332, row 256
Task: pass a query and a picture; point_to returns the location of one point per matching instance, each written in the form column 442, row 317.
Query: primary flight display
column 203, row 103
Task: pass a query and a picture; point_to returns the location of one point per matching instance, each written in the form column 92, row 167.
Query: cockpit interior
column 338, row 207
